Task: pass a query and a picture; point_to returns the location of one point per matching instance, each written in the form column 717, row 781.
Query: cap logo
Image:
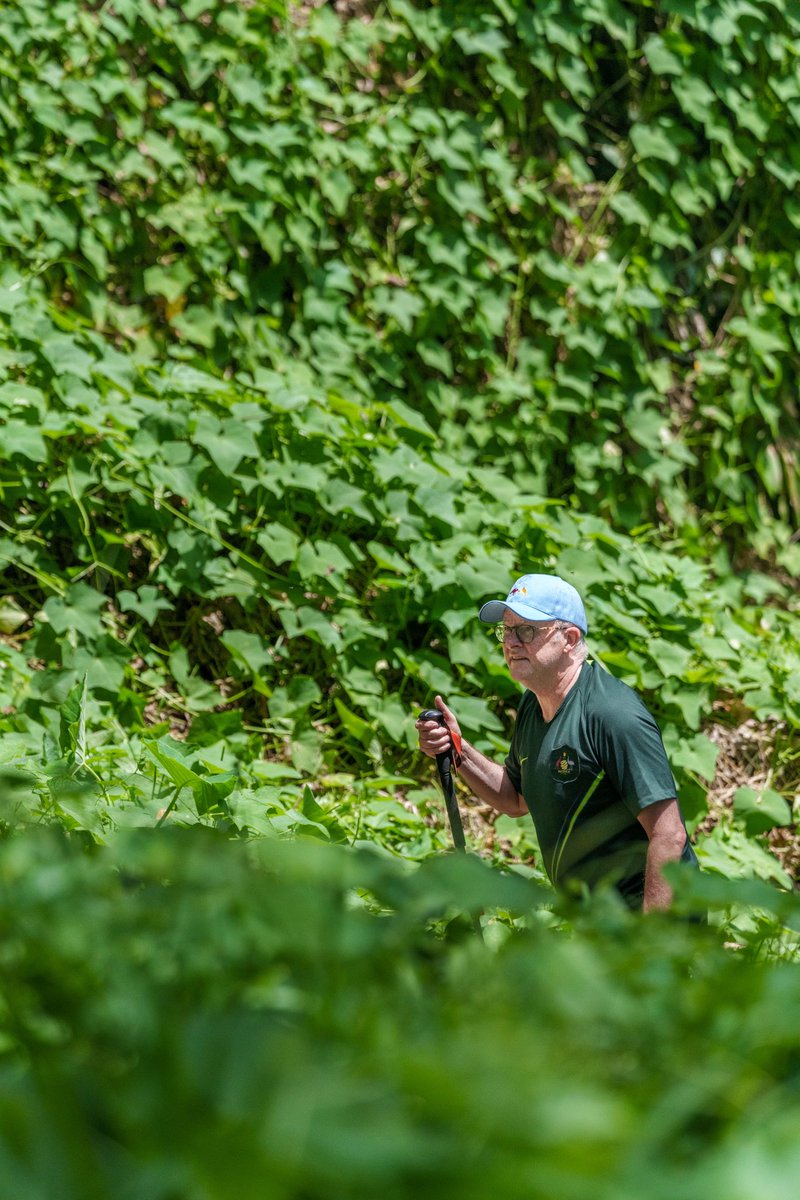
column 518, row 591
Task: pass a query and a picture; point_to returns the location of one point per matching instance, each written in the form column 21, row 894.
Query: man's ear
column 573, row 636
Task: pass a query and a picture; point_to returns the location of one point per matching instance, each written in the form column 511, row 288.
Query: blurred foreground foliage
column 182, row 1017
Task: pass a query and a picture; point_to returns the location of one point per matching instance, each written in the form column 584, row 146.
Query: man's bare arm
column 664, row 827
column 490, row 782
column 487, row 779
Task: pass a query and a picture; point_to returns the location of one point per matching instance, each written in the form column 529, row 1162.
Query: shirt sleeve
column 633, row 755
column 513, row 768
column 512, row 765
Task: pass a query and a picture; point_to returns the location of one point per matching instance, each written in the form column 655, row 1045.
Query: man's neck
column 552, row 697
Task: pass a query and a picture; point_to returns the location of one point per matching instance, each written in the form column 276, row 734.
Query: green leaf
column 387, row 559
column 170, row 282
column 672, row 659
column 168, row 757
column 12, row 615
column 147, row 602
column 354, row 724
column 66, row 356
column 337, row 188
column 657, row 141
column 20, row 438
column 407, row 418
column 630, row 209
column 248, row 649
column 78, row 611
column 227, row 442
column 274, row 770
column 161, row 150
column 73, row 723
column 278, row 542
column 697, row 754
column 762, row 810
column 762, row 337
column 566, row 120
column 310, row 622
column 662, row 60
column 338, row 496
column 246, row 87
column 314, row 812
column 296, row 698
column 95, row 252
column 400, row 304
column 695, row 97
column 197, row 324
column 736, row 856
column 488, row 42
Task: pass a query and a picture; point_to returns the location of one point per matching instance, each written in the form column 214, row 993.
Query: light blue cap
column 539, row 598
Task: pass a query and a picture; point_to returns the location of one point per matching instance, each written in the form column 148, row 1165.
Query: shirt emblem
column 564, row 764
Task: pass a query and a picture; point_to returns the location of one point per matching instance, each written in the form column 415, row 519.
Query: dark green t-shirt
column 586, row 775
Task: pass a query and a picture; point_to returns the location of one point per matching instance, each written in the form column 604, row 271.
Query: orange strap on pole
column 455, row 738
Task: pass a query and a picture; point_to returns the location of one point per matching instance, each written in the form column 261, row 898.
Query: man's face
column 537, row 661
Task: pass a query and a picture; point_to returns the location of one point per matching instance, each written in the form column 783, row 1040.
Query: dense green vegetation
column 318, row 324
column 293, row 1023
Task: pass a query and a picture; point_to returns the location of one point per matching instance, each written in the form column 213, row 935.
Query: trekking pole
column 444, row 762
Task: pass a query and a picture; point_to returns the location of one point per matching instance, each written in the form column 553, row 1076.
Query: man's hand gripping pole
column 445, row 762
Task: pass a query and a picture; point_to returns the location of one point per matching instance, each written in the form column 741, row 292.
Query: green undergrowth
column 166, row 1032
column 253, row 575
column 318, row 327
column 565, row 236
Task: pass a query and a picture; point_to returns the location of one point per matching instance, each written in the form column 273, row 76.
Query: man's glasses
column 521, row 633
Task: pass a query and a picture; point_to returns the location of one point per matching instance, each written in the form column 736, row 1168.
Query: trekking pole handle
column 445, row 759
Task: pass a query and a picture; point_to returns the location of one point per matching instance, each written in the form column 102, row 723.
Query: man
column 586, row 759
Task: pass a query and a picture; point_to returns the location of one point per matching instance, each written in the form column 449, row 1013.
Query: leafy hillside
column 320, row 324
column 579, row 223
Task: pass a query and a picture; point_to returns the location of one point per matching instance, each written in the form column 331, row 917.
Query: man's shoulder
column 600, row 680
column 606, row 697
